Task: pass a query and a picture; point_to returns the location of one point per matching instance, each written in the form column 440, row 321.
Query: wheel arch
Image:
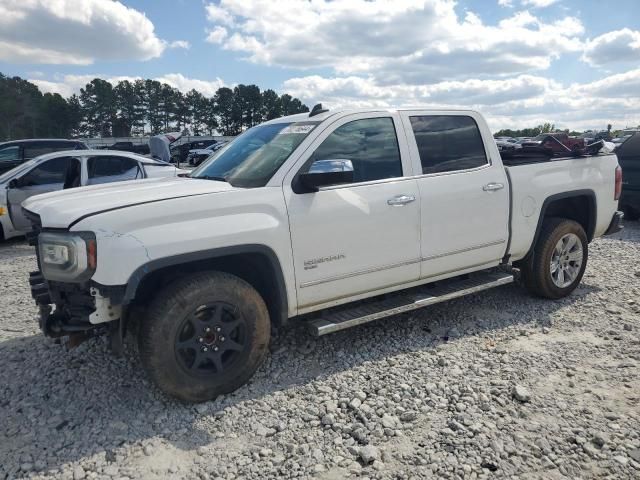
column 254, row 263
column 577, row 205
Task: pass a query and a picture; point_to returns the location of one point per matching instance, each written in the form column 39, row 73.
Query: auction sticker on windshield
column 297, row 128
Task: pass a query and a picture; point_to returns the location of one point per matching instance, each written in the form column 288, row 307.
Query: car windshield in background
column 253, row 158
column 6, row 176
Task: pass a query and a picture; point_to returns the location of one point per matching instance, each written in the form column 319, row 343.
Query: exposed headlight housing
column 67, row 256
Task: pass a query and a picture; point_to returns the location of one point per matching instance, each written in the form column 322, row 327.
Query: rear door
column 464, row 193
column 45, row 177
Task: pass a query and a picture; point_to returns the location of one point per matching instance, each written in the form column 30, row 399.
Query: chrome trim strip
column 364, row 184
column 451, row 172
column 359, row 272
column 463, row 250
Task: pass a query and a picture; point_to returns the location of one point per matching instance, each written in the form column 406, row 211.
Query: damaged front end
column 69, row 303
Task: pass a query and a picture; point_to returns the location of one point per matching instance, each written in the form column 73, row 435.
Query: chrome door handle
column 400, row 200
column 490, row 187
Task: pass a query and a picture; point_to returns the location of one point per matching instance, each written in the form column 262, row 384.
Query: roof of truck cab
column 304, row 117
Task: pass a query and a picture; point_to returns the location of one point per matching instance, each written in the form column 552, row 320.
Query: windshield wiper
column 213, row 177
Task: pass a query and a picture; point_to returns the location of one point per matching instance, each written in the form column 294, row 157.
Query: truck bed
column 534, row 183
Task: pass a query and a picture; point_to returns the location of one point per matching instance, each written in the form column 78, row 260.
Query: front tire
column 559, row 259
column 204, row 335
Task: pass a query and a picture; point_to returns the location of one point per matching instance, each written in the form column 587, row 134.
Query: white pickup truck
column 332, row 218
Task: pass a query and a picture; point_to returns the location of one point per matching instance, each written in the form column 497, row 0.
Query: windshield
column 252, row 159
column 6, row 176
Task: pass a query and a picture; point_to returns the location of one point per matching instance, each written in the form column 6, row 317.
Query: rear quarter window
column 448, row 143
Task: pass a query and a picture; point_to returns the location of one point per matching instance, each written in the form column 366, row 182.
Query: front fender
column 133, row 240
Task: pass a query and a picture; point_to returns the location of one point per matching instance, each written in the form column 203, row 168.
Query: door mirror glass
column 14, row 183
column 327, row 172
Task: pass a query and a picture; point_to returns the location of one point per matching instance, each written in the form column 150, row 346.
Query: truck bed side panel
column 534, row 183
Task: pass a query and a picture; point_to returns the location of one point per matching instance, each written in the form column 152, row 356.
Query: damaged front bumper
column 68, row 308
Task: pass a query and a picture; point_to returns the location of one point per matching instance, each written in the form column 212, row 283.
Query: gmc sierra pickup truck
column 332, row 218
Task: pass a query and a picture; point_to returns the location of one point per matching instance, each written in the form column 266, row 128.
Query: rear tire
column 558, row 261
column 204, row 335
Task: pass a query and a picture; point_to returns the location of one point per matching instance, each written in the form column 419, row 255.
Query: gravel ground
column 495, row 385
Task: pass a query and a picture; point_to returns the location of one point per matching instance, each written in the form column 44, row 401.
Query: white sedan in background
column 69, row 169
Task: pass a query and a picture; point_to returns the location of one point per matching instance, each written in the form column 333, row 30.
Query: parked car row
column 549, row 145
column 181, row 149
column 197, row 156
column 69, row 169
column 140, row 148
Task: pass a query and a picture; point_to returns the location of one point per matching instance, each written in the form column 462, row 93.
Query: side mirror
column 14, row 183
column 327, row 172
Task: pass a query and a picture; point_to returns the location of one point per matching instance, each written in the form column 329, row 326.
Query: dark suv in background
column 179, row 152
column 15, row 152
column 629, row 159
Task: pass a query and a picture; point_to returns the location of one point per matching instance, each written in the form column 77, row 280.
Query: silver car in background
column 69, row 169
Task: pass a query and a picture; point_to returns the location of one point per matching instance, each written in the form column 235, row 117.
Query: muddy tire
column 204, row 335
column 559, row 258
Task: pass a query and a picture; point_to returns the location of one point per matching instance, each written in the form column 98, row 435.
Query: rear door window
column 105, row 169
column 448, row 143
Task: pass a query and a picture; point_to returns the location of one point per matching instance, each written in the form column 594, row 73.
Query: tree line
column 134, row 108
column 527, row 132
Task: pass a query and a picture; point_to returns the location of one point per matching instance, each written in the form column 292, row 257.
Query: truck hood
column 61, row 209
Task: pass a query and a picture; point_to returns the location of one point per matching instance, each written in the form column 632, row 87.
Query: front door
column 46, row 177
column 464, row 194
column 361, row 237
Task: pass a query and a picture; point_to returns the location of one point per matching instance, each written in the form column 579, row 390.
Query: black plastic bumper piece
column 616, row 224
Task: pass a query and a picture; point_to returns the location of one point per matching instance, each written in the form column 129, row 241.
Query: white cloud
column 75, row 32
column 70, row 84
column 184, row 84
column 505, row 3
column 217, row 34
column 613, row 47
column 538, row 3
column 517, row 102
column 179, row 44
column 416, row 39
column 218, row 15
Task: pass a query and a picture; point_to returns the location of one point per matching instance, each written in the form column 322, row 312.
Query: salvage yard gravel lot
column 495, row 385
